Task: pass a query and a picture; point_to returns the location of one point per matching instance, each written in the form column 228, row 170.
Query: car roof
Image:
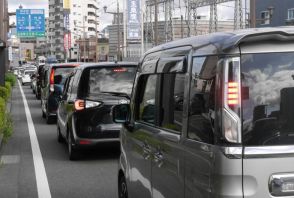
column 225, row 41
column 108, row 64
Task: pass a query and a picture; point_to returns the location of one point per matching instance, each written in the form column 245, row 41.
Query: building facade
column 56, row 29
column 179, row 30
column 78, row 21
column 271, row 13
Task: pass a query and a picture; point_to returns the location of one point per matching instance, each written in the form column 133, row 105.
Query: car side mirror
column 121, row 113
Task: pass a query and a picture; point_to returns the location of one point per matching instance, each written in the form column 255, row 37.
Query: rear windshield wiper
column 117, row 94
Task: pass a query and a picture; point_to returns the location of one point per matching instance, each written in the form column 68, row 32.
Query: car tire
column 122, row 187
column 49, row 119
column 72, row 151
column 59, row 136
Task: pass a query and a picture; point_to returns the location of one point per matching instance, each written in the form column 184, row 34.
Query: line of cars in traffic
column 208, row 116
column 79, row 97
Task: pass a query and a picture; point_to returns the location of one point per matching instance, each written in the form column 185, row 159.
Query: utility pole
column 118, row 33
column 96, row 35
column 156, row 23
column 84, row 36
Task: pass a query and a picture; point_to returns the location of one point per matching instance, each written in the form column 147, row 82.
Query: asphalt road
column 93, row 175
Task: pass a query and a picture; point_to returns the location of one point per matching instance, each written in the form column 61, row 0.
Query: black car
column 52, row 82
column 84, row 112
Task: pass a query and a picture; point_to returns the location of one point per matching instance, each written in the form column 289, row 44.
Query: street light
column 118, row 27
column 84, row 35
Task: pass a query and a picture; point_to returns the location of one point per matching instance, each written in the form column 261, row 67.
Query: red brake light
column 233, row 93
column 120, row 70
column 79, row 105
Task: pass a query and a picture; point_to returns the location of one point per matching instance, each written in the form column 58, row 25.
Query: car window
column 201, row 99
column 268, row 98
column 172, row 91
column 147, row 101
column 61, row 73
column 111, row 80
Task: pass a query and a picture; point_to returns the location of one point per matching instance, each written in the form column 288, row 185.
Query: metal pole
column 156, row 23
column 125, row 30
column 142, row 29
column 118, row 33
column 2, row 66
column 84, row 36
column 96, row 39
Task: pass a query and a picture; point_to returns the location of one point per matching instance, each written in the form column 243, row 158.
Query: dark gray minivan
column 211, row 116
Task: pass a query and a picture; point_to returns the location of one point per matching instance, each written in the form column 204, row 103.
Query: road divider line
column 40, row 172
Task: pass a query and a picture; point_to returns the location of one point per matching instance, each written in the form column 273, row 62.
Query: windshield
column 111, row 80
column 268, row 98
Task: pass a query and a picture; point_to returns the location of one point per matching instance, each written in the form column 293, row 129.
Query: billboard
column 30, row 22
column 66, row 5
column 134, row 20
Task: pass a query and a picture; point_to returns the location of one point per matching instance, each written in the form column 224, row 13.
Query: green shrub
column 4, row 93
column 8, row 87
column 2, row 115
column 10, row 77
column 6, row 126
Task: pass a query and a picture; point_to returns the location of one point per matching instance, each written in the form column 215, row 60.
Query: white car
column 26, row 77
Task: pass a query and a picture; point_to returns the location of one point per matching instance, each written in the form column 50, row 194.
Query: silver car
column 232, row 134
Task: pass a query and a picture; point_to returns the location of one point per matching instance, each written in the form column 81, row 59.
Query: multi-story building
column 270, row 13
column 81, row 23
column 56, row 29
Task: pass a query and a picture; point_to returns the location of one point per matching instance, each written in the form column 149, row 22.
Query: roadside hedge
column 10, row 77
column 4, row 93
column 6, row 125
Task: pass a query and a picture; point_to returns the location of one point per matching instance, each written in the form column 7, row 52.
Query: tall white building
column 83, row 23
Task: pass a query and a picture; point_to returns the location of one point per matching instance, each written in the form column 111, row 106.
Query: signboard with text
column 134, row 20
column 30, row 22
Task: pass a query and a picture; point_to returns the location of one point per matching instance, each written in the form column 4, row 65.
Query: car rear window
column 268, row 98
column 111, row 80
column 61, row 73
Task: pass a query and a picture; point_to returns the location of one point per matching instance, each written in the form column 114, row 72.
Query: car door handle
column 146, row 151
column 158, row 158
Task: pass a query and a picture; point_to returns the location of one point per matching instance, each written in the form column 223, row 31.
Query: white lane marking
column 41, row 177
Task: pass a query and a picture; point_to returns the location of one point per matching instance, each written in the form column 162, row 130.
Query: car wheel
column 72, row 152
column 122, row 187
column 49, row 119
column 59, row 136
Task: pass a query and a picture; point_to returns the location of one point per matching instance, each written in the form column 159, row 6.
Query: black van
column 84, row 113
column 52, row 82
column 211, row 116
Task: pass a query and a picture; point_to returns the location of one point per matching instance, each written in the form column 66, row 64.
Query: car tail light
column 79, row 105
column 91, row 104
column 233, row 93
column 85, row 104
column 51, row 80
column 231, row 115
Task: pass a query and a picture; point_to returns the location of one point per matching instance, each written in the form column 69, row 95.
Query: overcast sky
column 225, row 10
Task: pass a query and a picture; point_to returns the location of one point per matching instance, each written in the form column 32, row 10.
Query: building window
column 291, row 13
column 265, row 18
